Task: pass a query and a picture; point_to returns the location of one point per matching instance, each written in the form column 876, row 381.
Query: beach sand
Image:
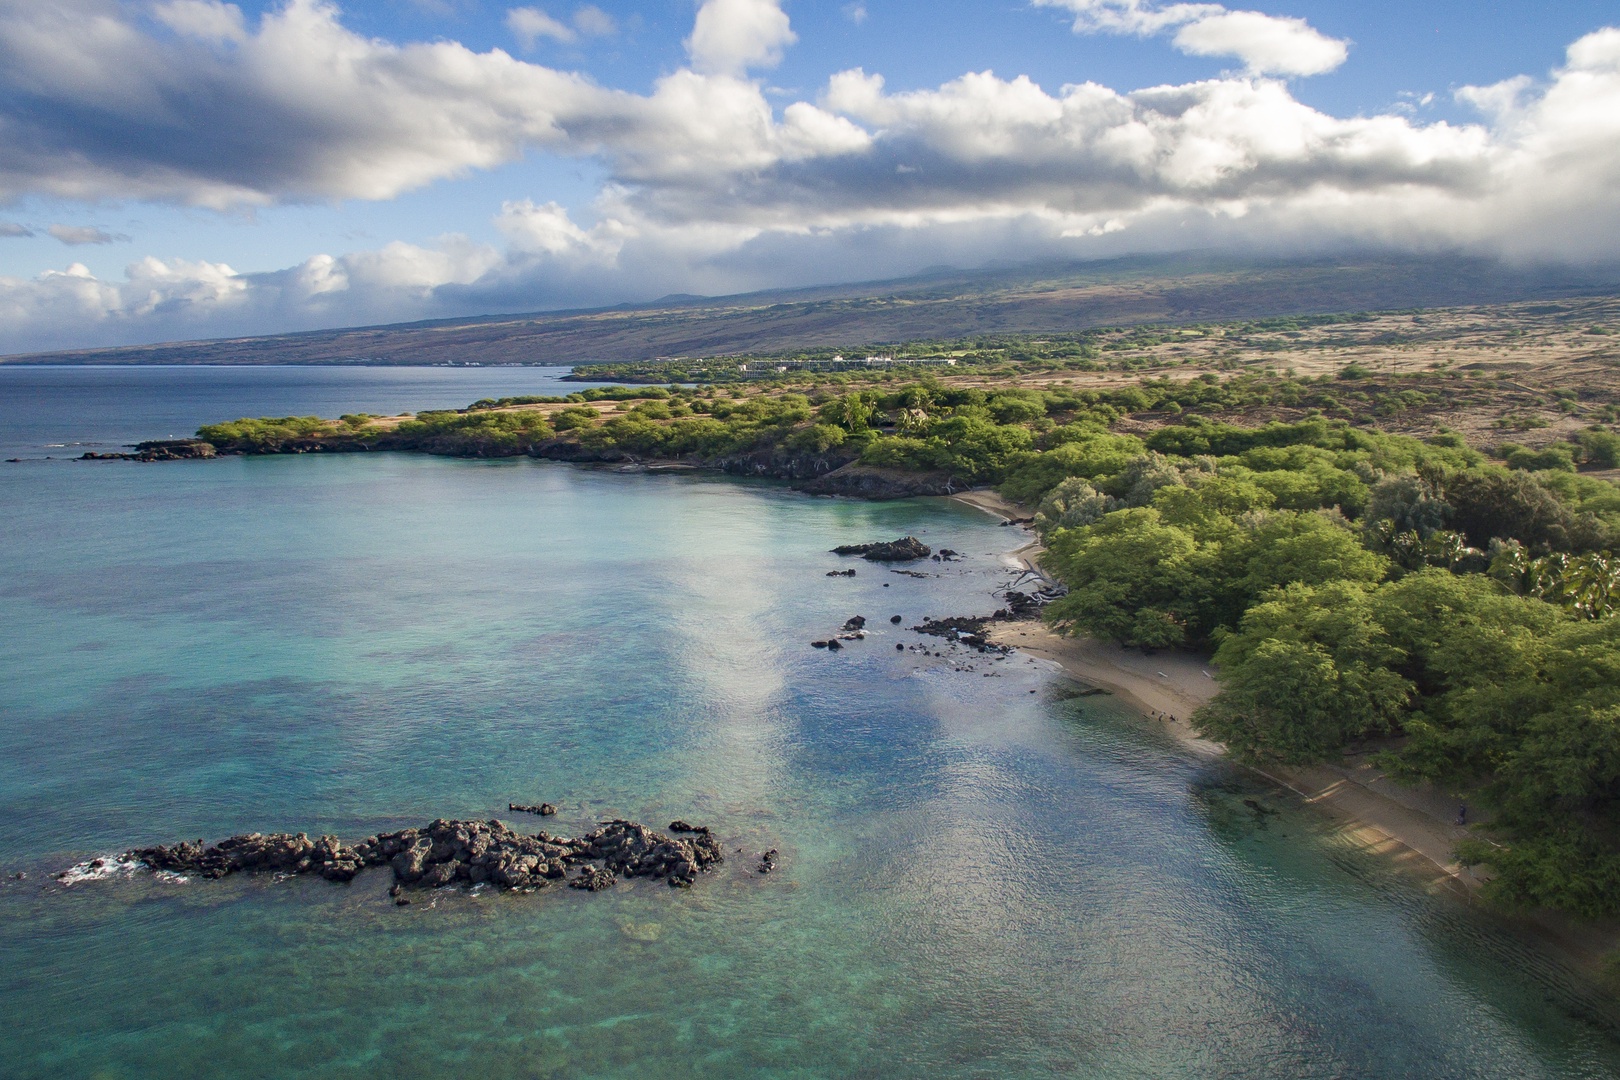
column 1414, row 826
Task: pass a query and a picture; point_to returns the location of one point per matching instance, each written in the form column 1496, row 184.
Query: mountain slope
column 944, row 304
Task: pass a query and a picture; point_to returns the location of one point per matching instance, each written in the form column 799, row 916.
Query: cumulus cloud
column 731, row 36
column 1267, row 44
column 92, row 106
column 711, row 188
column 75, row 235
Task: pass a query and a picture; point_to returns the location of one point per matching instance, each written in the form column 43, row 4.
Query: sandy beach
column 1415, row 826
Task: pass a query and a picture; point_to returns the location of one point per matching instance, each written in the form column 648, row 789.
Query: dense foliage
column 1367, row 589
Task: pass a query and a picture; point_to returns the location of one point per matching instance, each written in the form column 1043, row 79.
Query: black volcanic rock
column 456, row 852
column 905, row 549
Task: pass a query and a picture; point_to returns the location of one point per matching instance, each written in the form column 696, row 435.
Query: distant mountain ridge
column 940, row 304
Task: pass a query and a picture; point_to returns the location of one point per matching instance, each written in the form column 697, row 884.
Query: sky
column 181, row 169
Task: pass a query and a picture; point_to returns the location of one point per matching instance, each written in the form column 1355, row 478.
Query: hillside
column 939, row 305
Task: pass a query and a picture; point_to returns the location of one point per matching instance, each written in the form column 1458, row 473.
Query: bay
column 981, row 872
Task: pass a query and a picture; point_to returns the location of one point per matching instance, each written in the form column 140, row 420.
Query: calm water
column 977, row 880
column 64, row 411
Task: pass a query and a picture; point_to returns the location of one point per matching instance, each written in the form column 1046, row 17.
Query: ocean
column 982, row 872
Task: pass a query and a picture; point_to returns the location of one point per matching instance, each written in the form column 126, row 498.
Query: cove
column 975, row 879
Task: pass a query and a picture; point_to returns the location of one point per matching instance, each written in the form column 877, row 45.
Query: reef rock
column 450, row 852
column 905, row 549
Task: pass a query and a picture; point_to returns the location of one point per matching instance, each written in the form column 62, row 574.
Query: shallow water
column 976, row 880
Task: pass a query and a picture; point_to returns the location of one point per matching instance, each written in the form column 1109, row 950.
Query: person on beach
column 1462, row 814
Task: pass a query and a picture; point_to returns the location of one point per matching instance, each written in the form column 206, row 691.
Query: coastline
column 1371, row 812
column 1414, row 826
column 1410, row 827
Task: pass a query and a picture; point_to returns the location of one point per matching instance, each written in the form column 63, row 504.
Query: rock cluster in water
column 160, row 450
column 447, row 852
column 905, row 549
column 973, row 631
column 854, row 630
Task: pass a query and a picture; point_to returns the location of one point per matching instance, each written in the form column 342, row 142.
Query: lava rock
column 594, row 879
column 453, row 852
column 545, row 809
column 160, row 450
column 905, row 549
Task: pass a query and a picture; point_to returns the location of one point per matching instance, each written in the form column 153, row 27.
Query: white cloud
column 94, row 107
column 856, row 13
column 1267, row 44
column 75, row 235
column 205, row 20
column 12, row 229
column 710, row 188
column 529, row 25
column 592, row 21
column 547, row 229
column 731, row 36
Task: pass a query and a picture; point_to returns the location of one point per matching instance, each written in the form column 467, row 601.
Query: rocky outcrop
column 569, row 450
column 160, row 450
column 450, row 852
column 285, row 852
column 545, row 809
column 780, row 464
column 829, row 472
column 973, row 631
column 871, row 482
column 905, row 549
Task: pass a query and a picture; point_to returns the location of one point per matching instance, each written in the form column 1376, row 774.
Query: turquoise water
column 976, row 880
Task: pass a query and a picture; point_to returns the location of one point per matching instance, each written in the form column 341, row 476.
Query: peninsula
column 1394, row 534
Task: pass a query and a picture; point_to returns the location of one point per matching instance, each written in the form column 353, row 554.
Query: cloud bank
column 712, row 188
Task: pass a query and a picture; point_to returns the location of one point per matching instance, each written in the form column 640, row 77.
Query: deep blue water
column 976, row 880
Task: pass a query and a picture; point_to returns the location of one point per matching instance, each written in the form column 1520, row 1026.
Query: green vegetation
column 1361, row 590
column 1368, row 589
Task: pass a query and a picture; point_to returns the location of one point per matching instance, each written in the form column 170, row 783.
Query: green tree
column 1129, row 577
column 1305, row 673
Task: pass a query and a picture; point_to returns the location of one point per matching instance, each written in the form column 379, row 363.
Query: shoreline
column 1408, row 824
column 1411, row 827
column 1415, row 826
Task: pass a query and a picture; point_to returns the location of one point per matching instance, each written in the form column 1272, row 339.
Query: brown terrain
column 944, row 305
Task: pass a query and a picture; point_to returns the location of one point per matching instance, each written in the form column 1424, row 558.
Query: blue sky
column 186, row 168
